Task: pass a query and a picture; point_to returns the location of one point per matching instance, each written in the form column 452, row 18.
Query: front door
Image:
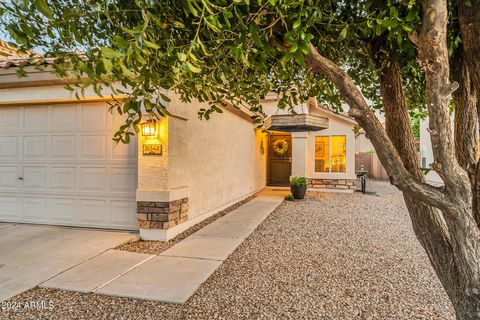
column 279, row 159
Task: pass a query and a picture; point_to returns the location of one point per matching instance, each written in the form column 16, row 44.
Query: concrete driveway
column 31, row 254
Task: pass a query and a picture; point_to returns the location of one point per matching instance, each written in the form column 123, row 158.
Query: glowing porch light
column 149, row 128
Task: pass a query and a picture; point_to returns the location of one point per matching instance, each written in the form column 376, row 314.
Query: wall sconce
column 149, row 128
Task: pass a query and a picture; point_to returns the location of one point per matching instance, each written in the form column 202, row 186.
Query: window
column 331, row 154
column 322, row 154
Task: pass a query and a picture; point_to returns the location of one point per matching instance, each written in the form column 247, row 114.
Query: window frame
column 329, row 154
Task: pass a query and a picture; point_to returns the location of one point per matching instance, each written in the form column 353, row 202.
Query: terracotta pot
column 298, row 192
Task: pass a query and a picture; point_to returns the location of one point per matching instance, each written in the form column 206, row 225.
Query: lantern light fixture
column 149, row 128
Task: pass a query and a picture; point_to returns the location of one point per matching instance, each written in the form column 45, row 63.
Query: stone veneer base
column 161, row 215
column 332, row 184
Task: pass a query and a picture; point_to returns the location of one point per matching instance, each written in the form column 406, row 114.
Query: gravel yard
column 331, row 256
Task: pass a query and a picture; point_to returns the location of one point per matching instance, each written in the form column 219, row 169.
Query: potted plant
column 298, row 187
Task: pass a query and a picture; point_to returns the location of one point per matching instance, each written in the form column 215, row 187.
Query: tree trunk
column 397, row 124
column 466, row 126
column 469, row 98
column 455, row 249
column 466, row 117
column 464, row 234
column 451, row 265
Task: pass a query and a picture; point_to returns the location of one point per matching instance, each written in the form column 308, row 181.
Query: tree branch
column 387, row 153
column 466, row 118
column 433, row 57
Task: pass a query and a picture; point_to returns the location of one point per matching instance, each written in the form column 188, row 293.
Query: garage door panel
column 62, row 147
column 35, row 147
column 9, row 148
column 122, row 213
column 64, row 117
column 35, row 178
column 121, row 151
column 73, row 173
column 9, row 178
column 62, row 209
column 91, row 118
column 35, row 209
column 123, row 180
column 93, row 147
column 10, row 118
column 93, row 211
column 93, row 179
column 62, row 178
column 36, row 117
column 116, row 120
column 10, row 207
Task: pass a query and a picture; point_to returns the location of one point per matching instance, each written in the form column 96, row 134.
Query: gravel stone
column 330, row 256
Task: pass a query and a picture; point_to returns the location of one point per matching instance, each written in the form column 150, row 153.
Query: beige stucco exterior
column 205, row 166
column 363, row 144
column 216, row 162
column 338, row 125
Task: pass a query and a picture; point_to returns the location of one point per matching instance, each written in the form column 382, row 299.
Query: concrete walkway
column 32, row 254
column 178, row 272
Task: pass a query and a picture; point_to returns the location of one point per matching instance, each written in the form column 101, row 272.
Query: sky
column 4, row 36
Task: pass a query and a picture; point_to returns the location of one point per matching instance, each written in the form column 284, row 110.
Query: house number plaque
column 152, row 149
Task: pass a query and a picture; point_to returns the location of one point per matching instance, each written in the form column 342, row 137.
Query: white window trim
column 329, row 154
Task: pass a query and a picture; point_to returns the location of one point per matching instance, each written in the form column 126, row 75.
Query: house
column 59, row 165
column 323, row 146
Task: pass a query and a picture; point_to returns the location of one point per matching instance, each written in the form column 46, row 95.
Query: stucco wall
column 219, row 160
column 270, row 107
column 44, row 93
column 363, row 144
column 153, row 170
column 337, row 126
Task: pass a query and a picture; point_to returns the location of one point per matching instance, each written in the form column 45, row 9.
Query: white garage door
column 59, row 165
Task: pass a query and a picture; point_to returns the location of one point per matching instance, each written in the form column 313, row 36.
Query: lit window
column 331, row 154
column 322, row 154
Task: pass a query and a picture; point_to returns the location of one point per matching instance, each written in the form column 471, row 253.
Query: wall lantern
column 149, row 128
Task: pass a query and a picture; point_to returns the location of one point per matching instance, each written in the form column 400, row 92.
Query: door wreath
column 280, row 147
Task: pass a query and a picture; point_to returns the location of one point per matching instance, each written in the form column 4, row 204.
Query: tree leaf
column 293, row 47
column 43, row 7
column 150, row 44
column 193, row 68
column 182, row 56
column 343, row 34
column 109, row 52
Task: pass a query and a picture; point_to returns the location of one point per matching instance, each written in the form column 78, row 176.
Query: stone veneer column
column 160, row 208
column 299, row 154
column 160, row 211
column 161, row 215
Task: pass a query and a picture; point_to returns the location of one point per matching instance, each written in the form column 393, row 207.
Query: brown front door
column 279, row 159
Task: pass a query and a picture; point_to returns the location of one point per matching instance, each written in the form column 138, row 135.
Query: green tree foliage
column 216, row 51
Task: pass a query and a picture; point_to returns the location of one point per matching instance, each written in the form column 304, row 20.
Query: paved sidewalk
column 178, row 272
column 32, row 254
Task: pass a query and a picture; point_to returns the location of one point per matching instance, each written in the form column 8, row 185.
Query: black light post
column 362, row 176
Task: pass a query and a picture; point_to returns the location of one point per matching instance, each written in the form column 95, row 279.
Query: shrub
column 298, row 181
column 290, row 198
